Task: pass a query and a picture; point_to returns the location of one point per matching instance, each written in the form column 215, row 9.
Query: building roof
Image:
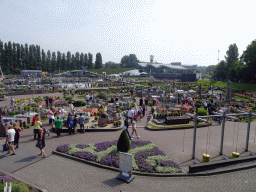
column 159, row 65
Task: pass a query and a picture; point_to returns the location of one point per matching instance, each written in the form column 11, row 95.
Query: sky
column 190, row 32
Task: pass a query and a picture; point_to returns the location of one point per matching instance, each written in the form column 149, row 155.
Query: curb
column 207, row 173
column 177, row 128
column 90, row 130
column 26, row 182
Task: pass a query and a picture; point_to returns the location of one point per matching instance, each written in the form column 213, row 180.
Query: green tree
column 64, row 63
column 43, row 61
column 77, row 65
column 232, row 56
column 59, row 61
column 220, row 70
column 38, row 57
column 69, row 61
column 81, row 61
column 85, row 60
column 1, row 53
column 54, row 62
column 98, row 62
column 90, row 64
column 14, row 55
column 125, row 61
column 249, row 59
column 123, row 143
column 48, row 61
column 26, row 57
column 73, row 62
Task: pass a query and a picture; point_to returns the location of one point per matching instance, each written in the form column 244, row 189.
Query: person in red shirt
column 34, row 119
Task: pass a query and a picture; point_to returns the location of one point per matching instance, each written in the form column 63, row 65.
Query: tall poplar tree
column 26, row 57
column 81, row 61
column 54, row 62
column 77, row 60
column 59, row 61
column 73, row 62
column 69, row 60
column 48, row 61
column 43, row 61
column 85, row 60
column 38, row 58
column 98, row 62
column 90, row 64
column 63, row 61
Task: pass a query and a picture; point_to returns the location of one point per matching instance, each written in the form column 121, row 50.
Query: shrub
column 199, row 103
column 118, row 111
column 22, row 128
column 79, row 103
column 123, row 143
column 154, row 116
column 150, row 103
column 28, row 125
column 68, row 98
column 96, row 118
column 102, row 95
column 201, row 112
column 254, row 108
column 12, row 113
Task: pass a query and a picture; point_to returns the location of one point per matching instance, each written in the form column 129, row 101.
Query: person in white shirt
column 134, row 130
column 130, row 114
column 10, row 140
column 87, row 98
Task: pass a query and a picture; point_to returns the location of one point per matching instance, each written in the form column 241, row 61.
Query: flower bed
column 16, row 185
column 146, row 157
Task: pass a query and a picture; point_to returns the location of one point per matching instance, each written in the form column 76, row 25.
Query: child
column 134, row 126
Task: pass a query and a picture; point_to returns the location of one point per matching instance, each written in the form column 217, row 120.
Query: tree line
column 238, row 69
column 15, row 57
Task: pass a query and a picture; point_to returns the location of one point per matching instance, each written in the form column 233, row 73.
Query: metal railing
column 224, row 116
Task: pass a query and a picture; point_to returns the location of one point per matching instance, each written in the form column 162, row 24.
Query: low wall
column 27, row 92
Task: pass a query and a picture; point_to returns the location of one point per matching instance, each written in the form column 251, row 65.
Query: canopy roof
column 159, row 65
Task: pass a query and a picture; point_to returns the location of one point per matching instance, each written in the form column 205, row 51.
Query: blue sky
column 184, row 31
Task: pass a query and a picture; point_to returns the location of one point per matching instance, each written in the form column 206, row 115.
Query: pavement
column 55, row 173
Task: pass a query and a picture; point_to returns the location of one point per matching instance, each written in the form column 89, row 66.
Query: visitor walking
column 135, row 113
column 71, row 107
column 12, row 102
column 34, row 119
column 87, row 98
column 146, row 101
column 141, row 101
column 69, row 123
column 75, row 122
column 38, row 125
column 126, row 124
column 81, row 123
column 143, row 110
column 50, row 116
column 51, row 102
column 134, row 129
column 58, row 126
column 130, row 114
column 73, row 93
column 10, row 134
column 41, row 140
column 47, row 101
column 17, row 134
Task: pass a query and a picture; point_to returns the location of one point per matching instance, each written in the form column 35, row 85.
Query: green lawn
column 174, row 126
column 110, row 71
column 236, row 86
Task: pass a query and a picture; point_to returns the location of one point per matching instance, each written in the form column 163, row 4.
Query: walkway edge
column 206, row 173
column 177, row 128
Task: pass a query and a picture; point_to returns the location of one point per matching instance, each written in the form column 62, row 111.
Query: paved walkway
column 59, row 174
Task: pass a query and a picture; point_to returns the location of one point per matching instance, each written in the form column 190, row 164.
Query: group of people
column 133, row 115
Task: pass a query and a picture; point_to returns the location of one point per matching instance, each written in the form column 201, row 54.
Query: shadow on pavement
column 113, row 182
column 27, row 159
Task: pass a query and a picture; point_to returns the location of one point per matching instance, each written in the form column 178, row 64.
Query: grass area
column 110, row 71
column 236, row 86
column 174, row 126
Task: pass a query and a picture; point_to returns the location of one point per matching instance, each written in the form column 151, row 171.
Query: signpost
column 125, row 165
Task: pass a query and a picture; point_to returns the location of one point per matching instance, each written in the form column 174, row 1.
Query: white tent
column 180, row 91
column 191, row 91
